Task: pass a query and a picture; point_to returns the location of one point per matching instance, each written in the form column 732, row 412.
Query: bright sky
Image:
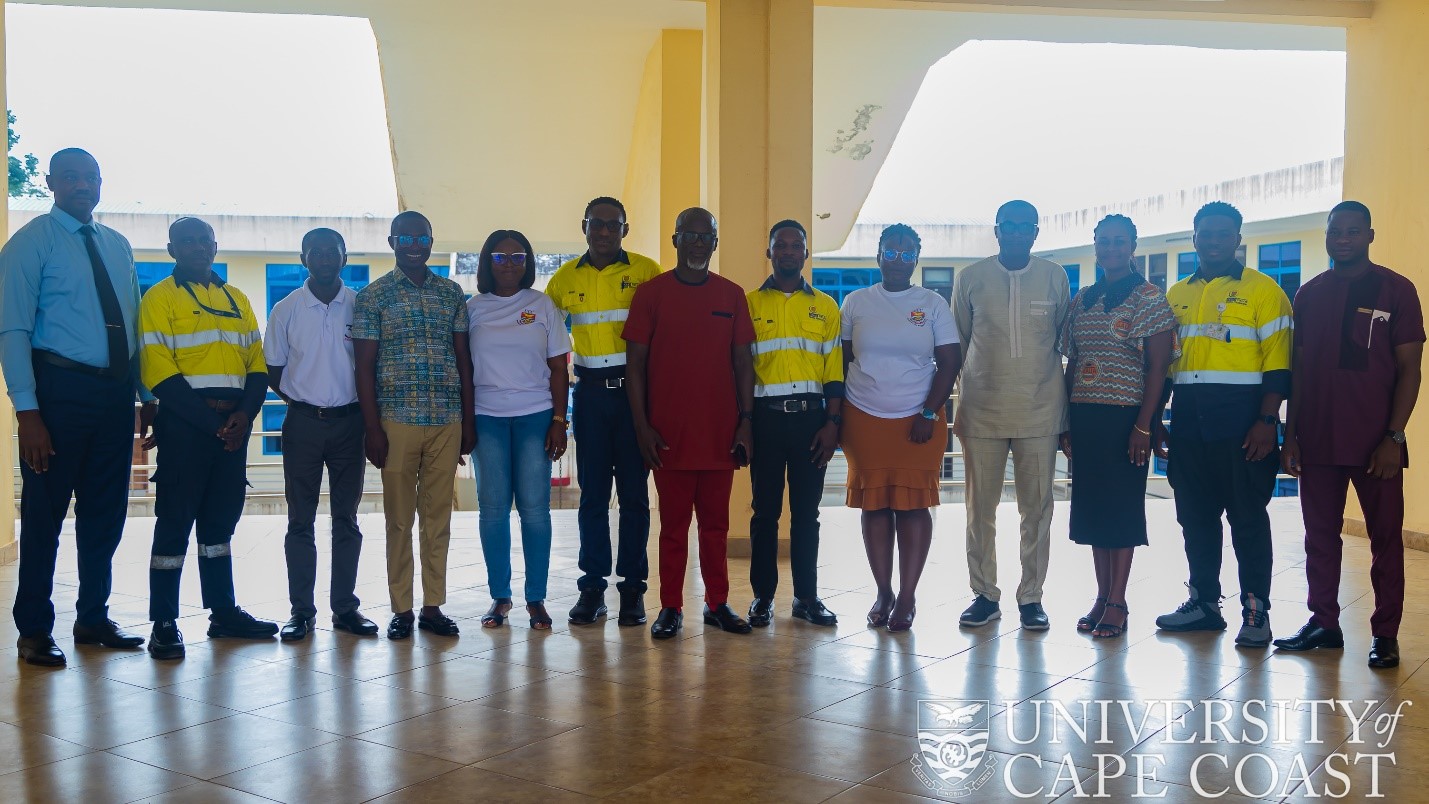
column 268, row 114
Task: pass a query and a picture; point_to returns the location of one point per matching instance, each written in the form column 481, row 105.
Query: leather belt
column 221, row 405
column 791, row 405
column 608, row 383
column 53, row 359
column 326, row 413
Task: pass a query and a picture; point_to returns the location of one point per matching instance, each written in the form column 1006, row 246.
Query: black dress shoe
column 166, row 642
column 106, row 634
column 354, row 623
column 667, row 623
column 589, row 608
column 815, row 612
column 724, row 616
column 632, row 607
column 297, row 628
column 441, row 625
column 1033, row 616
column 239, row 624
column 400, row 627
column 1384, row 652
column 41, row 651
column 761, row 612
column 1311, row 636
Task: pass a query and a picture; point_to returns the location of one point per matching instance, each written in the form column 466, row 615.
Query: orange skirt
column 885, row 469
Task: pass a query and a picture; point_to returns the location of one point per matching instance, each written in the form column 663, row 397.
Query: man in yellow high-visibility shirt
column 202, row 356
column 595, row 291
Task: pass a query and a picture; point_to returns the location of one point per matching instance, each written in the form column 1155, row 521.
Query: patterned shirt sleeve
column 366, row 318
column 1153, row 314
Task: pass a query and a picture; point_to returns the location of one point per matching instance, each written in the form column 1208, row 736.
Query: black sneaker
column 166, row 642
column 1034, row 617
column 981, row 612
column 589, row 608
column 237, row 623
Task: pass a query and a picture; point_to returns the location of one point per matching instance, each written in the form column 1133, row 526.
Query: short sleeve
column 558, row 341
column 743, row 323
column 366, row 317
column 1407, row 323
column 1153, row 315
column 1066, row 344
column 275, row 339
column 640, row 323
column 460, row 319
column 846, row 318
column 945, row 329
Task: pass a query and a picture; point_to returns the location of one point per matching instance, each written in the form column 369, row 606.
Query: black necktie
column 109, row 304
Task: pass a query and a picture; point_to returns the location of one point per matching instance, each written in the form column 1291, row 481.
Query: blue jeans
column 512, row 465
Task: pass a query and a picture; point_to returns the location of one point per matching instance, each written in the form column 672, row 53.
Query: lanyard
column 232, row 312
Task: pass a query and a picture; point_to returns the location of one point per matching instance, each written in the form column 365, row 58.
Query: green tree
column 24, row 170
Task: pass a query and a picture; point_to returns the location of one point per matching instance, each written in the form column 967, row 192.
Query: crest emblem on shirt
column 918, row 318
column 627, row 284
column 347, row 332
column 1089, row 372
column 816, row 315
column 1121, row 327
column 527, row 317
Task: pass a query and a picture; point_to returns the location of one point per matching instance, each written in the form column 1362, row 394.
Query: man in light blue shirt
column 69, row 302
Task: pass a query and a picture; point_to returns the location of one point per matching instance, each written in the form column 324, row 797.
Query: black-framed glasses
column 518, row 259
column 1010, row 228
column 690, row 238
column 407, row 240
column 598, row 224
column 893, row 255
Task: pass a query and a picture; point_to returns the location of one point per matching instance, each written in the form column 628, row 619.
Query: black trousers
column 91, row 424
column 607, row 454
column 781, row 449
column 1211, row 478
column 309, row 444
column 199, row 486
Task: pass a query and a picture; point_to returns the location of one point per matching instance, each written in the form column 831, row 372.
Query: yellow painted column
column 9, row 550
column 1387, row 168
column 759, row 110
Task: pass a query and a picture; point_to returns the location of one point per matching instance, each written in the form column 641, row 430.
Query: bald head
column 74, row 179
column 696, row 237
column 192, row 245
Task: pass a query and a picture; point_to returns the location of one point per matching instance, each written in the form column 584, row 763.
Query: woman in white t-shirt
column 901, row 358
column 518, row 355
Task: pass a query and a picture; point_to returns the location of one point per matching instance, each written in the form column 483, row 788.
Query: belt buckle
column 793, row 405
column 614, row 383
column 321, row 412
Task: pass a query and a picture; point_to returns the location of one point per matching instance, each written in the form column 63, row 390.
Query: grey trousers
column 309, row 444
column 1034, row 466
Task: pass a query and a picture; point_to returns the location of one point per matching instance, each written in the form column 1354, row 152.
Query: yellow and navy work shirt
column 598, row 302
column 797, row 348
column 206, row 333
column 1235, row 347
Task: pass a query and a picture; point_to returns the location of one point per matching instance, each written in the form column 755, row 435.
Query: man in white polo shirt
column 310, row 364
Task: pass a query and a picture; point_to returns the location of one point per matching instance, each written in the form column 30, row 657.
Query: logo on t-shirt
column 527, row 317
column 347, row 333
column 918, row 317
column 626, row 283
column 1121, row 327
column 816, row 315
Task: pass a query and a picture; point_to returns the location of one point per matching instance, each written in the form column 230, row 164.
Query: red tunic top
column 690, row 394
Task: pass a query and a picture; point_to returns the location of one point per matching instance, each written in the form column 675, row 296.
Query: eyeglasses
column 597, row 224
column 891, row 255
column 518, row 259
column 690, row 238
column 407, row 240
column 1009, row 228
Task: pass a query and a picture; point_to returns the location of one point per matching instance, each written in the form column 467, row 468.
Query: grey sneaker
column 981, row 612
column 1193, row 615
column 1255, row 624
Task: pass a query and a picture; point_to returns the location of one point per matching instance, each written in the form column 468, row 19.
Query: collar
column 620, row 258
column 402, row 276
column 213, row 278
column 1235, row 274
column 803, row 285
column 312, row 300
column 70, row 223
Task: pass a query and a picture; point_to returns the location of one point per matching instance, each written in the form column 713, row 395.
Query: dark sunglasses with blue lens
column 407, row 240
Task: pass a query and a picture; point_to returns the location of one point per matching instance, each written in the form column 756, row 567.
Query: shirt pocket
column 813, row 333
column 1368, row 326
column 1041, row 316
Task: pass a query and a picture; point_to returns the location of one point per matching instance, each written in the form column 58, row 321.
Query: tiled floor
column 790, row 714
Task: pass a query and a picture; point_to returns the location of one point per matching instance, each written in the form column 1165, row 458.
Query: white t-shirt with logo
column 511, row 340
column 893, row 337
column 313, row 342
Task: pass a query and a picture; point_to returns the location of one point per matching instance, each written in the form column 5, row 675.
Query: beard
column 700, row 266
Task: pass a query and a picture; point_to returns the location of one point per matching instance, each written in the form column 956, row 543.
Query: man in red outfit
column 690, row 376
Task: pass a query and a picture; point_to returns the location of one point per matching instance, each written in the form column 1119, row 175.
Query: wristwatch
column 746, row 416
column 1271, row 419
column 929, row 414
column 1397, row 436
column 837, row 420
column 559, row 418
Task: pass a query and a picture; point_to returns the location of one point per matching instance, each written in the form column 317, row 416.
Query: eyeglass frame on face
column 1018, row 228
column 516, row 258
column 408, row 240
column 893, row 254
column 600, row 224
column 690, row 238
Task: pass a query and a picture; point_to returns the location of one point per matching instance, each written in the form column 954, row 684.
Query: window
column 444, row 271
column 839, row 282
column 284, row 279
column 1074, row 277
column 152, row 273
column 939, row 280
column 1186, row 264
column 273, row 416
column 1156, row 270
column 1281, row 262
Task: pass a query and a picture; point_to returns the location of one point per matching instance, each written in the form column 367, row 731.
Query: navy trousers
column 91, row 424
column 198, row 486
column 607, row 453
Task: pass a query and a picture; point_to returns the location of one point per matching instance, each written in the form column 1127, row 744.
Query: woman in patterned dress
column 1118, row 337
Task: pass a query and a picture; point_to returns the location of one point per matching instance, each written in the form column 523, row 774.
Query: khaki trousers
column 417, row 481
column 1034, row 464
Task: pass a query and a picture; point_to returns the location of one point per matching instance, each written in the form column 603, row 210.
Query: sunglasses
column 597, row 224
column 1017, row 228
column 518, row 259
column 690, row 238
column 892, row 255
column 407, row 240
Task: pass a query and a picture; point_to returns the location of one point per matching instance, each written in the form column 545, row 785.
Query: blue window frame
column 273, row 416
column 839, row 282
column 1074, row 277
column 1281, row 262
column 444, row 271
column 1186, row 264
column 152, row 273
column 286, row 278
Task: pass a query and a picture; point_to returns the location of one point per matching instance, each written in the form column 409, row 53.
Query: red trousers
column 1322, row 501
column 703, row 494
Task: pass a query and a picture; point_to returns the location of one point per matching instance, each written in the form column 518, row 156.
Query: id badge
column 1216, row 332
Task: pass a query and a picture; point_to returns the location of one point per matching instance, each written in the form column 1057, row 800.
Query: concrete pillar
column 759, row 111
column 9, row 549
column 1387, row 168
